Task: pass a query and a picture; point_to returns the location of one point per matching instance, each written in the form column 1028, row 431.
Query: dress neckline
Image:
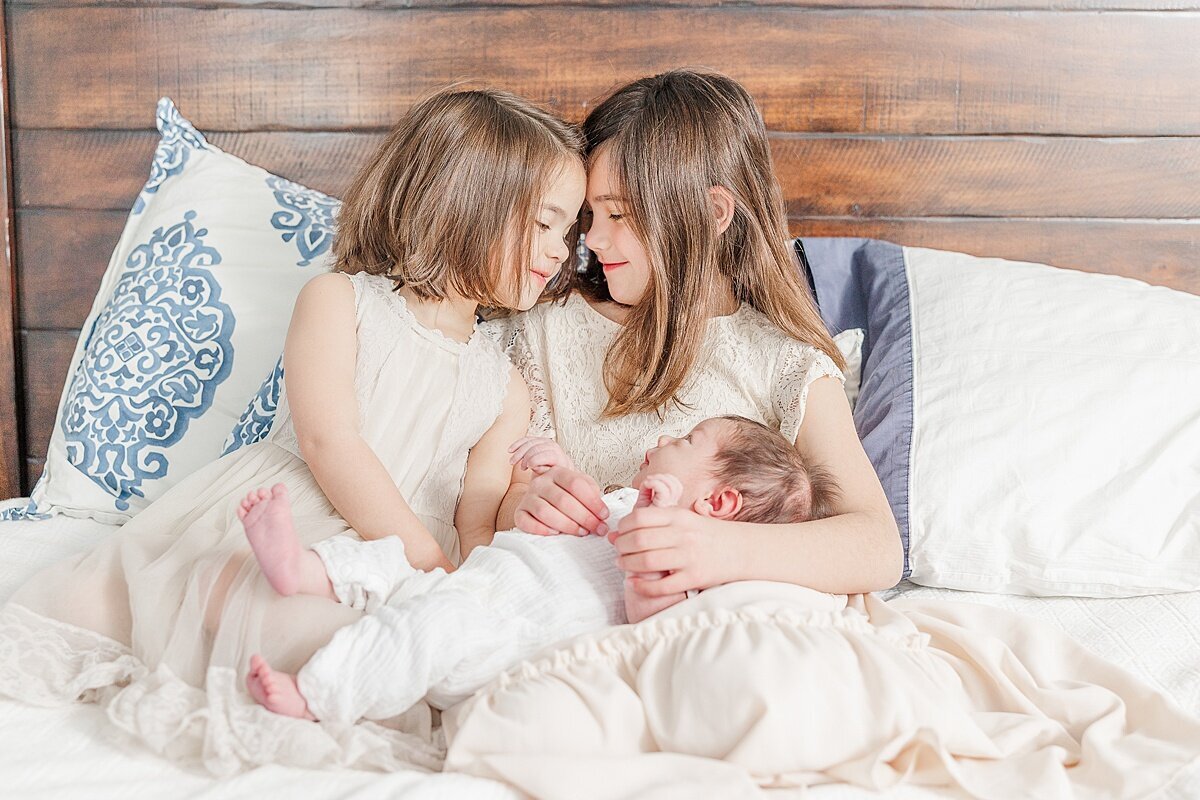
column 595, row 312
column 399, row 302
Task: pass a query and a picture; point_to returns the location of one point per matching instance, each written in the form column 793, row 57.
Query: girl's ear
column 721, row 504
column 723, row 206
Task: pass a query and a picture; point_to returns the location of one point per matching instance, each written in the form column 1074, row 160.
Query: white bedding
column 71, row 752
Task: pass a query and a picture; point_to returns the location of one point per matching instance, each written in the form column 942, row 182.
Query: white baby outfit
column 442, row 636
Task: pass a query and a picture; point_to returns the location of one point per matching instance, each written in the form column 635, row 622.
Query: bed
column 1025, row 129
column 71, row 752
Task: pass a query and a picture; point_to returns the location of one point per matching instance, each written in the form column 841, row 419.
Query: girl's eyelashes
column 616, row 217
column 543, row 227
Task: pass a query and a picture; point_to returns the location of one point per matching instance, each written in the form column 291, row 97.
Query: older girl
column 691, row 307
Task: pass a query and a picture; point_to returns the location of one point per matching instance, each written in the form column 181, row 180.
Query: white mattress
column 70, row 752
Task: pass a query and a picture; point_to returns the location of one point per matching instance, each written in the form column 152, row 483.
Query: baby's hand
column 538, row 454
column 661, row 489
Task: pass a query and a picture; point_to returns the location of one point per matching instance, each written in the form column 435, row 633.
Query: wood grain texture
column 33, row 471
column 47, row 359
column 1161, row 253
column 10, row 439
column 462, row 5
column 64, row 257
column 862, row 71
column 821, row 175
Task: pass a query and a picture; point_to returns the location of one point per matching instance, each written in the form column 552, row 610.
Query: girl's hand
column 562, row 500
column 695, row 550
column 538, row 454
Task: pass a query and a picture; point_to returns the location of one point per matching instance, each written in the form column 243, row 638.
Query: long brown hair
column 670, row 138
column 434, row 207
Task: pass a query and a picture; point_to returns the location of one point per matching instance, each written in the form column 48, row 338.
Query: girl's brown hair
column 670, row 139
column 434, row 207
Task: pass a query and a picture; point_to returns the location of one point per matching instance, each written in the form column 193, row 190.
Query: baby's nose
column 663, row 441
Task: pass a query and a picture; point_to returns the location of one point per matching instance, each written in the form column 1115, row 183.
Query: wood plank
column 1162, row 253
column 989, row 176
column 47, row 359
column 106, row 169
column 862, row 71
column 10, row 448
column 993, row 5
column 821, row 175
column 64, row 255
column 33, row 471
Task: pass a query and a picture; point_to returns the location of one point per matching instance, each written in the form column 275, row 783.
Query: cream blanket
column 770, row 685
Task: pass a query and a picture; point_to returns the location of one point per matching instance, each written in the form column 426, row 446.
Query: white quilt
column 73, row 753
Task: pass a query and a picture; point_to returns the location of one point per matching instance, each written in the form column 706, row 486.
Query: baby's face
column 690, row 458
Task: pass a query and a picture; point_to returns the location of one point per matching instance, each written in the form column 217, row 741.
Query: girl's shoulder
column 774, row 348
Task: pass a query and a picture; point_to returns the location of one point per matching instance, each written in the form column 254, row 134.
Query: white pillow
column 1056, row 430
column 190, row 315
column 850, row 344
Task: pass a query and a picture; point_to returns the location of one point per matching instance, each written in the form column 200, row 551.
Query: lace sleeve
column 799, row 365
column 509, row 332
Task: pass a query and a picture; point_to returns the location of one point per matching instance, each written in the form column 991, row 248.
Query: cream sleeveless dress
column 174, row 603
column 746, row 366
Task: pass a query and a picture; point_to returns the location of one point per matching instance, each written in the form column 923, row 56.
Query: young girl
column 394, row 421
column 692, row 307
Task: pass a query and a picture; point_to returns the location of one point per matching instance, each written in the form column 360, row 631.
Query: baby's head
column 735, row 468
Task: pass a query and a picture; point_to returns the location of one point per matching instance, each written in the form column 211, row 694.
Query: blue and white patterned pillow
column 190, row 315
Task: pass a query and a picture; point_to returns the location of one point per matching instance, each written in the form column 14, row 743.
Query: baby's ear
column 723, row 503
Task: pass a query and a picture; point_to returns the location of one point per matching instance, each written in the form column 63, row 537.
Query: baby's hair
column 436, row 207
column 776, row 484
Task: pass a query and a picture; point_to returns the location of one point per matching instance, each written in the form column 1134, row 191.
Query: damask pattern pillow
column 190, row 315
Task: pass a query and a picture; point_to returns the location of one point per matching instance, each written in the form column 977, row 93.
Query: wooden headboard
column 1064, row 131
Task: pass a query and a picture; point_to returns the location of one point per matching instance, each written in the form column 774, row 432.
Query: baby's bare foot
column 267, row 518
column 276, row 691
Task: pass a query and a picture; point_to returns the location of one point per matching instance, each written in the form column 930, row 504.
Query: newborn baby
column 443, row 636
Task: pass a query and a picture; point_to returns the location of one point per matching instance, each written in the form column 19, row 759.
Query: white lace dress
column 746, row 366
column 174, row 603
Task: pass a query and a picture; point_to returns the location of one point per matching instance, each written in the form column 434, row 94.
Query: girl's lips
column 607, row 267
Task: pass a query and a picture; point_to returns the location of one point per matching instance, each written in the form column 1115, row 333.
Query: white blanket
column 837, row 689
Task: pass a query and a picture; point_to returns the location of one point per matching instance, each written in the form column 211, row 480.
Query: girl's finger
column 584, row 490
column 652, row 561
column 675, row 583
column 527, row 523
column 648, row 517
column 644, row 539
column 570, row 508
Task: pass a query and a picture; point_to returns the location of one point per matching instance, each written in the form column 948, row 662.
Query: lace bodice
column 424, row 399
column 747, row 366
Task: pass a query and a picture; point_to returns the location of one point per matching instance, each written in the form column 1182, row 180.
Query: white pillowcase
column 1056, row 430
column 190, row 315
column 850, row 344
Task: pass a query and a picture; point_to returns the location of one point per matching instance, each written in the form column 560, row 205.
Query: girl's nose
column 557, row 250
column 596, row 238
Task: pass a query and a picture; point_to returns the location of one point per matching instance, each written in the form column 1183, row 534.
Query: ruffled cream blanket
column 762, row 684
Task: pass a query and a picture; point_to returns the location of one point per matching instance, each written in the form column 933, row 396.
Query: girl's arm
column 856, row 550
column 319, row 356
column 488, row 471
